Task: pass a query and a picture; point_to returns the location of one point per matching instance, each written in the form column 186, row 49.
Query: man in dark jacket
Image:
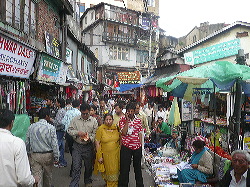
column 240, row 175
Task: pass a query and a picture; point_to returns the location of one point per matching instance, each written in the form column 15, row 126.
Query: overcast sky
column 179, row 17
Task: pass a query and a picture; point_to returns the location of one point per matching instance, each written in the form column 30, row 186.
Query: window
column 151, row 3
column 194, row 38
column 92, row 15
column 119, row 53
column 21, row 14
column 82, row 8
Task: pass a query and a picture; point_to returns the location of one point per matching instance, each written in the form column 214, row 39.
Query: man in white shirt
column 14, row 163
column 161, row 113
column 240, row 175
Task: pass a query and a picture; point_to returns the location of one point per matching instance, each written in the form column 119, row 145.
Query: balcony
column 118, row 39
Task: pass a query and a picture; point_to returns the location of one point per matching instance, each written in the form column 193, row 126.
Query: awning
column 152, row 81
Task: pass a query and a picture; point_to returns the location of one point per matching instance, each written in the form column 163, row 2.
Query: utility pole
column 240, row 59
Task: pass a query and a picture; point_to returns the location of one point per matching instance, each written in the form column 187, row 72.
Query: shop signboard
column 52, row 70
column 53, row 46
column 69, row 53
column 129, row 77
column 16, row 59
column 213, row 52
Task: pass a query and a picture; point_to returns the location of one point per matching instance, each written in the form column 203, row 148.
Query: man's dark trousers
column 85, row 153
column 125, row 161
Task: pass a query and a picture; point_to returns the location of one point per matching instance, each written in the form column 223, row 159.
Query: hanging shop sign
column 69, row 54
column 129, row 77
column 213, row 52
column 53, row 46
column 15, row 59
column 52, row 70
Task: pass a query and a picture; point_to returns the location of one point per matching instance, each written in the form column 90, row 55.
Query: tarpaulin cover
column 222, row 73
column 21, row 125
column 125, row 87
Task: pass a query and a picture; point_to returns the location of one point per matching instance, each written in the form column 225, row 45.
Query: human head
column 44, row 113
column 93, row 110
column 85, row 108
column 160, row 119
column 108, row 119
column 118, row 108
column 240, row 161
column 208, row 136
column 60, row 103
column 160, row 108
column 198, row 145
column 130, row 110
column 174, row 133
column 102, row 104
column 76, row 103
column 137, row 108
column 68, row 101
column 95, row 102
column 49, row 101
column 6, row 119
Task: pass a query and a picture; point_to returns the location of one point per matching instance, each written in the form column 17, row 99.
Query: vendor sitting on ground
column 201, row 163
column 174, row 142
column 162, row 132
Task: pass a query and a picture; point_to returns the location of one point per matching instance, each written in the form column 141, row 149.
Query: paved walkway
column 61, row 177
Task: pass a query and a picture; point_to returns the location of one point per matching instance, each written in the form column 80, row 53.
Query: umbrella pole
column 214, row 107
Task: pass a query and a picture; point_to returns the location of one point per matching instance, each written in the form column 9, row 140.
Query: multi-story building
column 119, row 38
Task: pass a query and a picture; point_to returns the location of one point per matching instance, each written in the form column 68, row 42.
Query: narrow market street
column 61, row 177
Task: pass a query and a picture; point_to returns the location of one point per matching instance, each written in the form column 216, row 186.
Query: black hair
column 68, row 101
column 76, row 103
column 94, row 100
column 6, row 117
column 94, row 107
column 160, row 117
column 43, row 112
column 61, row 102
column 208, row 135
column 84, row 107
column 199, row 144
column 131, row 105
column 120, row 105
column 108, row 114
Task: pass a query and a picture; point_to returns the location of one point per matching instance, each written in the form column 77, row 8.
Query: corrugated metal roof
column 240, row 23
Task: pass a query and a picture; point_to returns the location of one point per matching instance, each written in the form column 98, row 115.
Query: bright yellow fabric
column 109, row 138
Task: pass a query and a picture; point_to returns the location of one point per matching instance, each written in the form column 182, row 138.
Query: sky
column 179, row 17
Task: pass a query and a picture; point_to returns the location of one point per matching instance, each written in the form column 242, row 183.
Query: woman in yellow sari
column 108, row 151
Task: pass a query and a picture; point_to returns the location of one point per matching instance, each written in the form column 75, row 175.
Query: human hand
column 37, row 179
column 100, row 160
column 194, row 166
column 81, row 134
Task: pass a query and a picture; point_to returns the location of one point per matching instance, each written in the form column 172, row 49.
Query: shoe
column 62, row 165
column 89, row 185
column 57, row 165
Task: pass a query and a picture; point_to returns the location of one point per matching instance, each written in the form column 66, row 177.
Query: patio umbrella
column 223, row 74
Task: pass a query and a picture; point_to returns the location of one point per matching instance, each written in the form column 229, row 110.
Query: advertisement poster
column 16, row 59
column 187, row 110
column 129, row 77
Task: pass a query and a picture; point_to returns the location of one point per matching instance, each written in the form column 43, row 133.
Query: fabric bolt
column 132, row 140
column 81, row 152
column 42, row 166
column 79, row 124
column 14, row 163
column 41, row 137
column 109, row 150
column 69, row 115
column 126, row 155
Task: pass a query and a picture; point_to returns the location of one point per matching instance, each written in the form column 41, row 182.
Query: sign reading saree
column 52, row 70
column 15, row 59
column 213, row 52
column 129, row 77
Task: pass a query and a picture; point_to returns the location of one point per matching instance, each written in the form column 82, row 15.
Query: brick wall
column 46, row 22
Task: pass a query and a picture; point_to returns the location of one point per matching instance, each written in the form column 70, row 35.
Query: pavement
column 61, row 177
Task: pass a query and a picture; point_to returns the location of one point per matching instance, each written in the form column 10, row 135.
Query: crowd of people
column 107, row 136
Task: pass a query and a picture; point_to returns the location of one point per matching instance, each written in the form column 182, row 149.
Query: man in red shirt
column 131, row 135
